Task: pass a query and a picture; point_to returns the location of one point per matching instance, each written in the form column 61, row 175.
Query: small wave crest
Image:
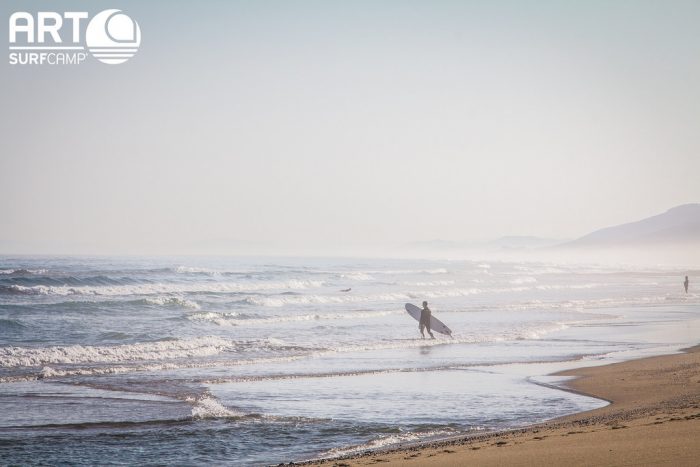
column 23, row 272
column 194, row 270
column 161, row 288
column 236, row 319
column 26, row 281
column 208, row 407
column 357, row 276
column 279, row 301
column 50, row 372
column 172, row 301
column 80, row 354
column 386, row 441
column 568, row 287
column 396, row 272
column 429, row 283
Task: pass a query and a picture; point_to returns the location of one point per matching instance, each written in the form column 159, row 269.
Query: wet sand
column 653, row 419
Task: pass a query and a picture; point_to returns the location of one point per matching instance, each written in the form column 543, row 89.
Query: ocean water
column 253, row 361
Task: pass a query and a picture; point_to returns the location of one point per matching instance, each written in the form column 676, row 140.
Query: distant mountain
column 515, row 242
column 677, row 226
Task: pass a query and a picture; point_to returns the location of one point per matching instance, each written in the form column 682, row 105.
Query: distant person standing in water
column 424, row 322
column 685, row 284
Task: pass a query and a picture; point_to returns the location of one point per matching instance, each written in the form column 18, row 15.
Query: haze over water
column 263, row 360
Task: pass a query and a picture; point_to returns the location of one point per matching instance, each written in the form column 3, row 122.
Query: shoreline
column 653, row 418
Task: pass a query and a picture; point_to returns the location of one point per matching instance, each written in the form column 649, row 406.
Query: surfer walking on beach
column 685, row 284
column 424, row 322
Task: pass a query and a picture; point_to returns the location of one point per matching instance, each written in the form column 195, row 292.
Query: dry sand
column 654, row 419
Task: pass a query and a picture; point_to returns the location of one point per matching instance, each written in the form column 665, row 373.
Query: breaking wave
column 65, row 280
column 409, row 271
column 357, row 276
column 159, row 288
column 50, row 372
column 209, row 407
column 23, row 272
column 151, row 351
column 568, row 287
column 279, row 301
column 387, row 441
column 190, row 353
column 172, row 301
column 235, row 319
column 429, row 283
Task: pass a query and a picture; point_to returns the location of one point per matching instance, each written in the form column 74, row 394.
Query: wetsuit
column 425, row 321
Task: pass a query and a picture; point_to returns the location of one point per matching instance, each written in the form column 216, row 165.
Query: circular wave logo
column 113, row 37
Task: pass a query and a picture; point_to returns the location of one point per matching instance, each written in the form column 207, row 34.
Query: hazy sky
column 259, row 126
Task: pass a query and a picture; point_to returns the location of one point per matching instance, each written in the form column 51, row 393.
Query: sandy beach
column 653, row 419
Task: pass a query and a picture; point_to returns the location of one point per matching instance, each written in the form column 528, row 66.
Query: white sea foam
column 279, row 301
column 235, row 319
column 195, row 270
column 398, row 297
column 446, row 293
column 429, row 283
column 23, row 271
column 568, row 286
column 165, row 288
column 524, row 333
column 396, row 272
column 385, row 441
column 209, row 407
column 50, row 372
column 222, row 319
column 78, row 354
column 170, row 301
column 188, row 353
column 357, row 276
column 583, row 305
column 539, row 333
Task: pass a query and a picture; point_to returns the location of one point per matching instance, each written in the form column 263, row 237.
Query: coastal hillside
column 675, row 227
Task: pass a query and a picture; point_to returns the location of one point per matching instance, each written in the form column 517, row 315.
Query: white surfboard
column 435, row 324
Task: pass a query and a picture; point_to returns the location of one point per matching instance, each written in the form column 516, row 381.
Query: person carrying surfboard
column 426, row 319
column 424, row 322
